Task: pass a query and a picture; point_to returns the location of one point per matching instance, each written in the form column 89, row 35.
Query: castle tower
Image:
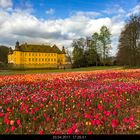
column 10, row 50
column 63, row 50
column 17, row 48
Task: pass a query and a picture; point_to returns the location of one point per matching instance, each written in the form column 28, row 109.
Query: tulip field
column 93, row 102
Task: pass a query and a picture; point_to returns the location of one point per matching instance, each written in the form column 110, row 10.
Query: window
column 36, row 59
column 45, row 59
column 32, row 54
column 42, row 59
column 29, row 59
column 48, row 59
column 51, row 59
column 36, row 54
column 54, row 59
column 39, row 59
column 29, row 54
column 32, row 59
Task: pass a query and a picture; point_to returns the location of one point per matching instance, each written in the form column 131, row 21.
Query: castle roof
column 38, row 48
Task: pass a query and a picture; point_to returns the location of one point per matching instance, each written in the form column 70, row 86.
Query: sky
column 61, row 21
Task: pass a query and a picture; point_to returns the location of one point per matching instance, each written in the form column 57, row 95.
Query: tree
column 95, row 47
column 90, row 51
column 105, row 41
column 78, row 52
column 69, row 55
column 4, row 54
column 129, row 48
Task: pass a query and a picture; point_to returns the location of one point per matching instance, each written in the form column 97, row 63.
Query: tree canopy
column 129, row 43
column 93, row 50
column 4, row 54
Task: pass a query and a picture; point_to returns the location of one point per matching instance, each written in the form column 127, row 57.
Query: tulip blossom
column 18, row 122
column 13, row 128
column 114, row 123
column 102, row 102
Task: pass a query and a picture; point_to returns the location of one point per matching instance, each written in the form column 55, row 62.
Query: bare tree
column 68, row 54
column 129, row 49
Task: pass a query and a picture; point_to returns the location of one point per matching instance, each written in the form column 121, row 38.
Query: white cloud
column 51, row 11
column 90, row 14
column 25, row 6
column 6, row 3
column 115, row 9
column 135, row 10
column 25, row 27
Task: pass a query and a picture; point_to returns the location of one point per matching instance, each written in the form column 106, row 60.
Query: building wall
column 36, row 59
column 15, row 57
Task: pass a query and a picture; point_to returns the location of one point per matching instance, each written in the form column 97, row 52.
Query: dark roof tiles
column 39, row 48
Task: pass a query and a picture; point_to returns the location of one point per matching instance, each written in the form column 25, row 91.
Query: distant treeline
column 94, row 50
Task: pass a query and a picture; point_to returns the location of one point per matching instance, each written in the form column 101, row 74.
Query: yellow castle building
column 37, row 56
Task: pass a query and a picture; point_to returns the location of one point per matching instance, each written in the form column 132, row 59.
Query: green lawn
column 11, row 72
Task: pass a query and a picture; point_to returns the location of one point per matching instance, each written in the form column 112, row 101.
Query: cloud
column 51, row 11
column 90, row 14
column 25, row 6
column 6, row 3
column 115, row 9
column 135, row 10
column 25, row 27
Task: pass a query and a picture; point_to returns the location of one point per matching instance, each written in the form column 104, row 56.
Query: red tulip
column 87, row 116
column 41, row 132
column 114, row 123
column 74, row 127
column 90, row 133
column 70, row 131
column 87, row 103
column 115, row 113
column 7, row 130
column 1, row 114
column 126, row 120
column 132, row 124
column 18, row 122
column 107, row 113
column 100, row 107
column 13, row 128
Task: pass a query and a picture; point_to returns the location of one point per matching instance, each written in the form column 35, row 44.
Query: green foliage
column 92, row 51
column 105, row 41
column 78, row 53
column 4, row 54
column 129, row 43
